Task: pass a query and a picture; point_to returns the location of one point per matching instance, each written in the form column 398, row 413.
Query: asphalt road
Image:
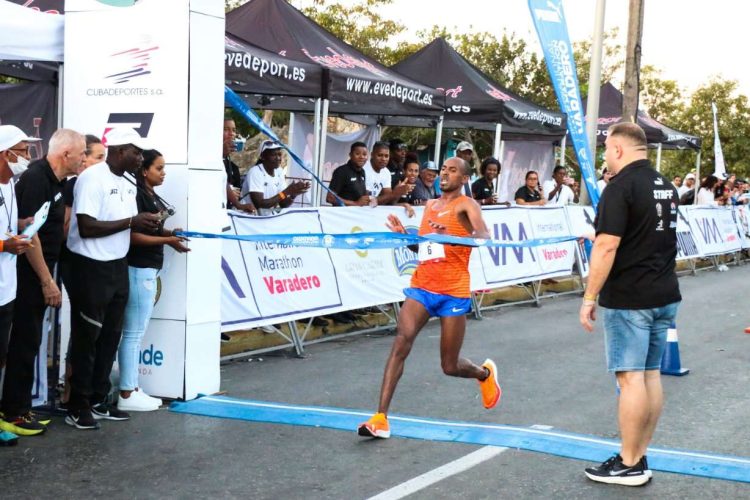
column 552, row 373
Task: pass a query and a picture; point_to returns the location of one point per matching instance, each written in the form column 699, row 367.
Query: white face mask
column 19, row 166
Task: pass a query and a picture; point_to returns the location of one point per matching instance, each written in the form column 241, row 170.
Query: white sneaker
column 156, row 401
column 136, row 402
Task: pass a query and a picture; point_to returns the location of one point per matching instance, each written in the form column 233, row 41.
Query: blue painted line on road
column 564, row 444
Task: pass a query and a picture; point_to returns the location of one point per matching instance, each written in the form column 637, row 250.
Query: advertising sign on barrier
column 267, row 281
column 714, row 229
column 686, row 246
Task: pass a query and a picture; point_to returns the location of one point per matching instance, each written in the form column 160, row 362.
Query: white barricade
column 264, row 284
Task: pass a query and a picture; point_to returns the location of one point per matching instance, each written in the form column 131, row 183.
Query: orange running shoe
column 490, row 387
column 376, row 427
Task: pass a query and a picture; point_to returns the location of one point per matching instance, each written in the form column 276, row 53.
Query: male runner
column 439, row 287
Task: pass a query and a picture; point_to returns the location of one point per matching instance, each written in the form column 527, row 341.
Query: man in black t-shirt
column 234, row 180
column 633, row 275
column 348, row 180
column 396, row 161
column 42, row 182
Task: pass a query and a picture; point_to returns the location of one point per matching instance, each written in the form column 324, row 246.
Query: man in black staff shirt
column 348, row 180
column 42, row 182
column 633, row 275
column 234, row 180
column 398, row 150
column 104, row 212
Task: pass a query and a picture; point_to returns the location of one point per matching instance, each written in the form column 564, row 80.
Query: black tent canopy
column 610, row 112
column 352, row 82
column 260, row 75
column 473, row 99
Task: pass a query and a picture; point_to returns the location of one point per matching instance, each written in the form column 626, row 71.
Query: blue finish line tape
column 564, row 444
column 363, row 241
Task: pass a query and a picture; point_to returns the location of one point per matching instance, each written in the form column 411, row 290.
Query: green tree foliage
column 360, row 25
column 734, row 124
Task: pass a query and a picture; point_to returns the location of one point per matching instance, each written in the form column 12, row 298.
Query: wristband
column 282, row 196
column 2, row 245
column 589, row 303
column 130, row 222
column 592, row 298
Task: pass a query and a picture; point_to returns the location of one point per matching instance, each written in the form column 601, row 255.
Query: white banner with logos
column 713, row 228
column 263, row 284
column 130, row 71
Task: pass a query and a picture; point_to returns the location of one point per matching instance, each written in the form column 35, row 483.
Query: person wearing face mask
column 41, row 183
column 10, row 246
column 19, row 155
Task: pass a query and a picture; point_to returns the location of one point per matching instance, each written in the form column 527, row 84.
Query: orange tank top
column 448, row 275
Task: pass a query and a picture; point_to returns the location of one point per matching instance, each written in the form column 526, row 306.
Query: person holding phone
column 558, row 189
column 530, row 193
column 265, row 183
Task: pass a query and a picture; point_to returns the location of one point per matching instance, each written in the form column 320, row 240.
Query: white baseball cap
column 690, row 176
column 120, row 136
column 464, row 145
column 10, row 135
column 269, row 146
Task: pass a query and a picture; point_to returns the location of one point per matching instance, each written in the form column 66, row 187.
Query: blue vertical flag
column 549, row 20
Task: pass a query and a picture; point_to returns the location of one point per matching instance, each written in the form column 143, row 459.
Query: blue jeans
column 635, row 338
column 137, row 315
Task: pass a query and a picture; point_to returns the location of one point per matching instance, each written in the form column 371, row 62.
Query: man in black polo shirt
column 42, row 182
column 234, row 179
column 396, row 161
column 633, row 275
column 348, row 180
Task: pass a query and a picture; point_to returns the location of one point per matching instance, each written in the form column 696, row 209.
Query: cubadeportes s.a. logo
column 132, row 63
column 404, row 259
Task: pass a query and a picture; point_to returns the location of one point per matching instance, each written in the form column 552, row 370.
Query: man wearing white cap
column 13, row 142
column 105, row 211
column 42, row 183
column 265, row 184
column 687, row 185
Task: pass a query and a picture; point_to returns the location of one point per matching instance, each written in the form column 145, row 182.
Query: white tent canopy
column 30, row 35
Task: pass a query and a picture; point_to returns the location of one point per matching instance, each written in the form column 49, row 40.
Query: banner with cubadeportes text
column 549, row 20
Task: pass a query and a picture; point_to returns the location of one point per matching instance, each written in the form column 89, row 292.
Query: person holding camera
column 558, row 189
column 145, row 260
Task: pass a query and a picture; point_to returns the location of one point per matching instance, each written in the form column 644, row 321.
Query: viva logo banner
column 549, row 20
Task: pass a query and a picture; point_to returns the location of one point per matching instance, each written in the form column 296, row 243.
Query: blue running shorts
column 437, row 304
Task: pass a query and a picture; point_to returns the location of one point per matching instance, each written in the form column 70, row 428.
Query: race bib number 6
column 430, row 251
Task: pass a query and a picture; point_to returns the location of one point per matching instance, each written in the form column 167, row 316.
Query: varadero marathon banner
column 265, row 283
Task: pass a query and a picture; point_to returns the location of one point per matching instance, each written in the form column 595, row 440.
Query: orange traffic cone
column 670, row 360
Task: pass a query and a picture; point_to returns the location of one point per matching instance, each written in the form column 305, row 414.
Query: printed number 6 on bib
column 431, row 252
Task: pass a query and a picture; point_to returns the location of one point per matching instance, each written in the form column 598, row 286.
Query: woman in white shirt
column 706, row 192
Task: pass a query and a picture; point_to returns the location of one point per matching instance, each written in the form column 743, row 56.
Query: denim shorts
column 635, row 338
column 439, row 305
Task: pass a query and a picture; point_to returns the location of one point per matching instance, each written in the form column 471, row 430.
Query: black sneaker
column 649, row 473
column 225, row 338
column 613, row 471
column 81, row 419
column 103, row 411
